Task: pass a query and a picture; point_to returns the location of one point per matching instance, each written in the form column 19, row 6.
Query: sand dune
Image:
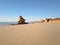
column 30, row 34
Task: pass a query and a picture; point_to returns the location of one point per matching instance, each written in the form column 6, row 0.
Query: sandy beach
column 30, row 34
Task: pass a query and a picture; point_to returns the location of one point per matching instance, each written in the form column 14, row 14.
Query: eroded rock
column 21, row 20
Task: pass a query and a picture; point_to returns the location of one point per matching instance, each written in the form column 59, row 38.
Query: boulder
column 21, row 20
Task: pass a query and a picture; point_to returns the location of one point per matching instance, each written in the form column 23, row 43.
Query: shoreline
column 30, row 34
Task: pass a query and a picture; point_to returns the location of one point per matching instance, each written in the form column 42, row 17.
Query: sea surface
column 7, row 23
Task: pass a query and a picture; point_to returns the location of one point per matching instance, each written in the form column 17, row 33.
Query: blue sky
column 31, row 10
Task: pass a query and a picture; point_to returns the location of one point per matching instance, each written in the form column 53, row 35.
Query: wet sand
column 30, row 34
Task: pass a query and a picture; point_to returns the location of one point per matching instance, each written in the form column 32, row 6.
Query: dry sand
column 30, row 34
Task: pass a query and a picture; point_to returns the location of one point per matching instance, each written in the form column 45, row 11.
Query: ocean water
column 7, row 23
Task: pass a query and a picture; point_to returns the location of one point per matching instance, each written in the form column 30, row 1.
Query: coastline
column 30, row 34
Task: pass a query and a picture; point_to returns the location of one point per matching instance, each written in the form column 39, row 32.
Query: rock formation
column 48, row 20
column 56, row 19
column 52, row 20
column 21, row 20
column 42, row 21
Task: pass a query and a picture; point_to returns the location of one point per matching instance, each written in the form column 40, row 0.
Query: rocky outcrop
column 56, row 19
column 52, row 20
column 42, row 21
column 48, row 20
column 21, row 20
